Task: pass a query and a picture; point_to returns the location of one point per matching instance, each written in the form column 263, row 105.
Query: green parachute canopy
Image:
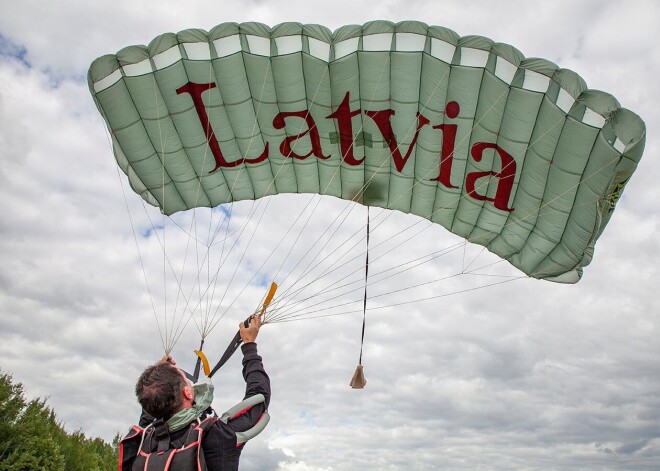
column 511, row 153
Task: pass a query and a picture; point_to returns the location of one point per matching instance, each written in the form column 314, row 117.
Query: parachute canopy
column 511, row 153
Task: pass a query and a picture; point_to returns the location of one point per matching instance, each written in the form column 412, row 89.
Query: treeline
column 32, row 439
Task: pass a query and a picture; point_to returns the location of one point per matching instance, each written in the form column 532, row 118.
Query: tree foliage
column 32, row 439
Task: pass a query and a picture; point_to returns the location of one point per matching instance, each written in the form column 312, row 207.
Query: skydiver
column 165, row 394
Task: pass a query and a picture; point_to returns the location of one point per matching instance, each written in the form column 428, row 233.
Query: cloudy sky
column 523, row 375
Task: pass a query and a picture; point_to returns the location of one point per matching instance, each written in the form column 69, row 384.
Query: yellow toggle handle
column 205, row 362
column 269, row 298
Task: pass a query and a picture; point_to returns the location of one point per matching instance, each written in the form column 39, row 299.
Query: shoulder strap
column 129, row 447
column 241, row 408
column 205, row 424
column 162, row 435
column 249, row 434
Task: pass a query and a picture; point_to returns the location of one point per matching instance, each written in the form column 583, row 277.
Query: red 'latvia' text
column 343, row 116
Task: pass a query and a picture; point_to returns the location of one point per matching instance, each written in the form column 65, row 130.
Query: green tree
column 32, row 439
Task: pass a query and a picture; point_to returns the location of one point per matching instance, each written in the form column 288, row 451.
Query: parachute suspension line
column 330, row 269
column 420, row 260
column 293, row 313
column 204, row 319
column 171, row 330
column 187, row 299
column 197, row 282
column 169, row 263
column 192, row 237
column 137, row 245
column 307, row 269
column 208, row 316
column 206, row 329
column 144, row 272
column 207, row 256
column 327, row 271
column 397, row 270
column 202, row 295
column 274, row 250
column 238, row 264
column 483, row 248
column 326, row 290
column 358, row 381
column 205, row 261
column 443, row 295
column 208, row 271
column 168, row 347
column 300, row 232
column 181, row 278
column 257, row 271
column 290, row 292
column 216, row 275
column 215, row 234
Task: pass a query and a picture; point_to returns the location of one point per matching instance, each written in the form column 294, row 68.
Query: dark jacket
column 219, row 443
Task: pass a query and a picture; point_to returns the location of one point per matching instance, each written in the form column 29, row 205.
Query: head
column 163, row 390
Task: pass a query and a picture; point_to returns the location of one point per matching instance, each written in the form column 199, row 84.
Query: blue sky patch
column 223, row 209
column 9, row 48
column 147, row 233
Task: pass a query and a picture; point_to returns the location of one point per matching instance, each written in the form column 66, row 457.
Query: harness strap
column 237, row 340
column 241, row 406
column 233, row 346
column 162, row 435
column 249, row 434
column 238, row 409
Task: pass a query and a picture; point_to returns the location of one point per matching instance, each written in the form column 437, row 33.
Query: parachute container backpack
column 511, row 153
column 150, row 448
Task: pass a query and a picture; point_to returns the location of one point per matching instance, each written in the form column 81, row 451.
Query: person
column 165, row 393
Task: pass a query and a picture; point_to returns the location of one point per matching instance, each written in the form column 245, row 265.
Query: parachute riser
column 233, row 345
